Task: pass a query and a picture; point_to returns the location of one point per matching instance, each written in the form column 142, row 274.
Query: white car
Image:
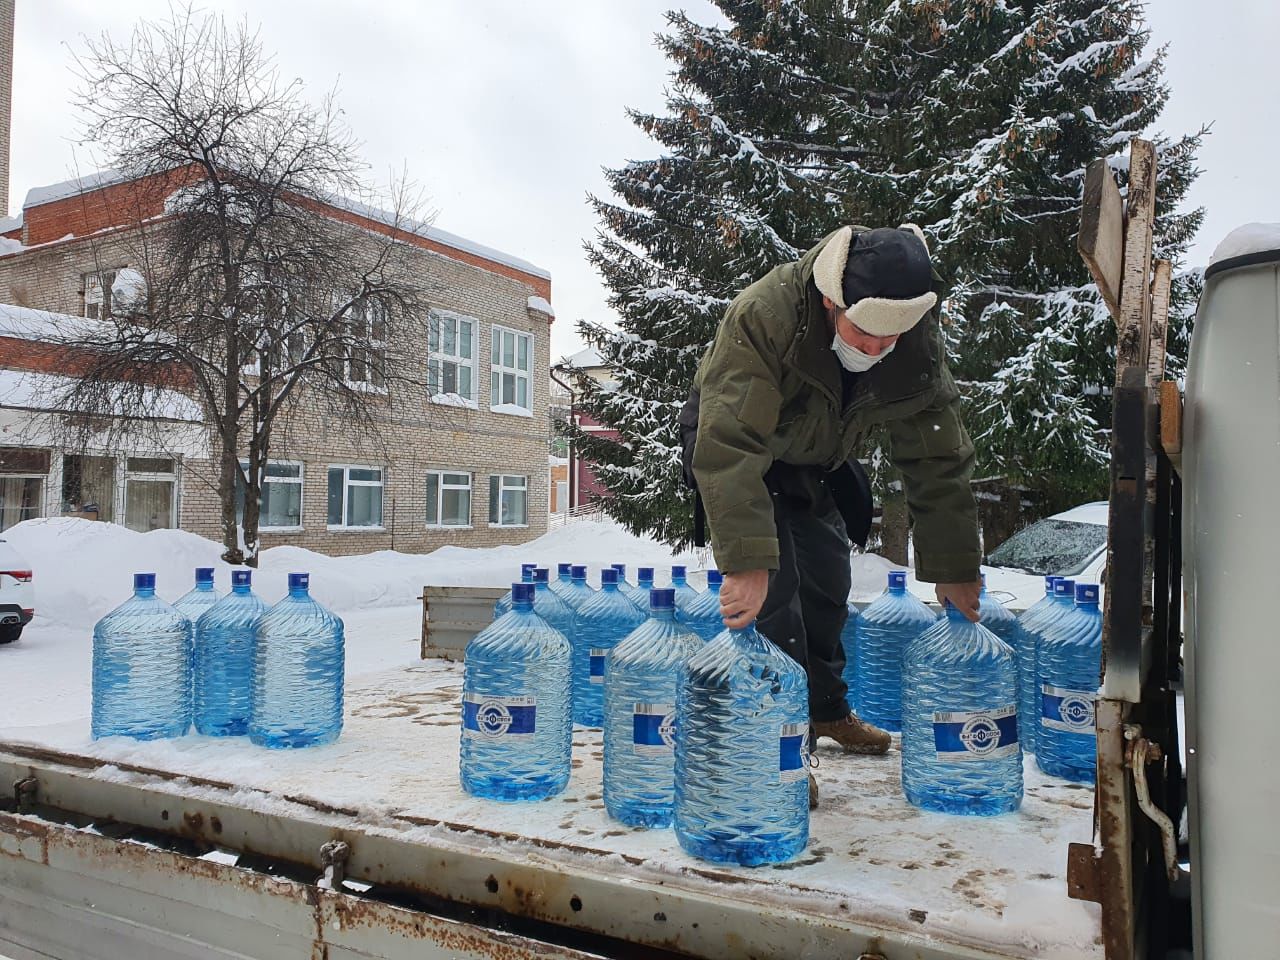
column 1070, row 544
column 17, row 597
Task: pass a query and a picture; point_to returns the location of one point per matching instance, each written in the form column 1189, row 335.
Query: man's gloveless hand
column 742, row 595
column 963, row 596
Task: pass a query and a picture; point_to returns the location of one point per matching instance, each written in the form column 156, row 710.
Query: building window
column 149, row 493
column 508, row 501
column 448, row 499
column 97, row 294
column 355, row 497
column 89, row 487
column 20, row 499
column 367, row 360
column 281, row 496
column 451, row 358
column 512, row 352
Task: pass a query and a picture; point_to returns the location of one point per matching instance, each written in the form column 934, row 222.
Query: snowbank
column 1247, row 239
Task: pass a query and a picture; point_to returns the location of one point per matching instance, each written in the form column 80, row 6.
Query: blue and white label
column 1070, row 711
column 598, row 655
column 793, row 752
column 970, row 736
column 653, row 729
column 491, row 718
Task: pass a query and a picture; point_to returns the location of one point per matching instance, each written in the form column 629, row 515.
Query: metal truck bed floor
column 941, row 886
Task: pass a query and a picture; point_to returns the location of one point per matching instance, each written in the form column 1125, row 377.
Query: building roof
column 584, row 359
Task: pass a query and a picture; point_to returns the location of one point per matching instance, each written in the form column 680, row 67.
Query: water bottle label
column 793, row 752
column 597, row 663
column 1070, row 711
column 976, row 735
column 653, row 729
column 490, row 718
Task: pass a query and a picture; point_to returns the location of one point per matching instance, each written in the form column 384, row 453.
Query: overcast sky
column 505, row 111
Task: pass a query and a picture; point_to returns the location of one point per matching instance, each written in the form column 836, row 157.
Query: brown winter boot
column 856, row 736
column 813, row 793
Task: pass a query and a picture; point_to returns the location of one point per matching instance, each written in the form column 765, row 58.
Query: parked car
column 17, row 596
column 1070, row 544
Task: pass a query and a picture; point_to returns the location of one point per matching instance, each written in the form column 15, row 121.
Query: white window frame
column 362, row 316
column 497, row 369
column 441, row 486
column 97, row 291
column 502, row 479
column 173, row 477
column 44, row 490
column 440, row 357
column 347, row 483
column 301, row 484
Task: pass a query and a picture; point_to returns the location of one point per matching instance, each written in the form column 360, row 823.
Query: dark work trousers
column 806, row 606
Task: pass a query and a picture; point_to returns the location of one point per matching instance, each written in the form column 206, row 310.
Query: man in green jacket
column 806, row 361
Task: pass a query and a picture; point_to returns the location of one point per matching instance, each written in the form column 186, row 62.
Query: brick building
column 585, row 487
column 466, row 466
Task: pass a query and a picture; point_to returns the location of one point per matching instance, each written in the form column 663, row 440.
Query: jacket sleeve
column 739, row 381
column 936, row 457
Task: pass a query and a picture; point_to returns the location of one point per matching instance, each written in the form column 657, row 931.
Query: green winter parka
column 771, row 391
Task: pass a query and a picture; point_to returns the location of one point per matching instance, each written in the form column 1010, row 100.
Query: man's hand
column 963, row 596
column 742, row 595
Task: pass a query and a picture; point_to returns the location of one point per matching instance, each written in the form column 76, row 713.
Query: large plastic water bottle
column 640, row 716
column 742, row 727
column 579, row 591
column 142, row 668
column 1069, row 673
column 199, row 598
column 848, row 641
column 644, row 584
column 1028, row 703
column 1004, row 623
column 629, row 590
column 598, row 626
column 563, row 580
column 225, row 638
column 549, row 606
column 703, row 614
column 298, row 670
column 960, row 720
column 504, row 602
column 880, row 636
column 517, row 733
column 686, row 595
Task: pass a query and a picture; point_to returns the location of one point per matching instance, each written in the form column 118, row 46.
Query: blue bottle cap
column 1064, row 588
column 579, row 571
column 898, row 579
column 608, row 575
column 241, row 578
column 714, row 577
column 526, row 568
column 1049, row 581
column 1086, row 593
column 204, row 574
column 522, row 592
column 662, row 598
column 564, row 569
column 621, row 568
column 299, row 581
column 645, row 574
column 541, row 575
column 679, row 571
column 144, row 581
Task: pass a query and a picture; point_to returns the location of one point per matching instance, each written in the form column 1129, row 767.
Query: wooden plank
column 1101, row 240
column 1135, row 288
column 1170, row 418
column 1161, row 287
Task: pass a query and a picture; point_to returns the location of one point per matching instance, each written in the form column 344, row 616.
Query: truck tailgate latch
column 333, row 857
column 1138, row 753
column 24, row 793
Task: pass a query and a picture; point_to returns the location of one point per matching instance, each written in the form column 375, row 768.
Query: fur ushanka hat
column 881, row 278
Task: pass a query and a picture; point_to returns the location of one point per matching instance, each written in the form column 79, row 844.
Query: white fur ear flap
column 917, row 231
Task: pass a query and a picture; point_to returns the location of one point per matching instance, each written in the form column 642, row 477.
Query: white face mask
column 853, row 359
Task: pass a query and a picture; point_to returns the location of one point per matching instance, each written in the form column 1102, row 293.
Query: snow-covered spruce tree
column 974, row 119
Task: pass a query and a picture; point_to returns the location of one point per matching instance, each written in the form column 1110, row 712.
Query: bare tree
column 260, row 281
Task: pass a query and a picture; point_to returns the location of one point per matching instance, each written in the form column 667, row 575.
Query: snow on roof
column 8, row 224
column 1095, row 513
column 43, row 391
column 584, row 359
column 10, row 245
column 24, row 323
column 542, row 306
column 1247, row 239
column 70, row 188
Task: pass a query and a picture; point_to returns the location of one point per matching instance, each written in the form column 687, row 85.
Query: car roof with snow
column 1095, row 513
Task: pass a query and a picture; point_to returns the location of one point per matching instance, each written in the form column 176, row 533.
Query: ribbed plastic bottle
column 960, row 749
column 880, row 636
column 517, row 733
column 504, row 602
column 1004, row 623
column 142, row 668
column 629, row 590
column 1028, row 703
column 640, row 716
column 703, row 614
column 848, row 642
column 598, row 626
column 199, row 598
column 1069, row 671
column 579, row 591
column 225, row 638
column 298, row 672
column 563, row 580
column 549, row 606
column 644, row 584
column 686, row 595
column 742, row 728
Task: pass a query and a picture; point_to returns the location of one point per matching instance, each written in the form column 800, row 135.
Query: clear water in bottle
column 142, row 668
column 298, row 671
column 1028, row 702
column 579, row 591
column 504, row 602
column 225, row 638
column 644, row 584
column 686, row 595
column 849, row 642
column 960, row 749
column 703, row 614
column 199, row 598
column 1069, row 673
column 598, row 626
column 629, row 590
column 1002, row 621
column 742, row 728
column 640, row 716
column 549, row 606
column 880, row 636
column 563, row 580
column 517, row 732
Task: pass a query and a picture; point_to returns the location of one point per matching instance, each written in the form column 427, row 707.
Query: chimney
column 6, row 98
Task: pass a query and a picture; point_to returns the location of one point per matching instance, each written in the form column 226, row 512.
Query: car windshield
column 1050, row 546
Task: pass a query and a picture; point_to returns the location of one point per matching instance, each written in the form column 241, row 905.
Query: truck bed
column 875, row 867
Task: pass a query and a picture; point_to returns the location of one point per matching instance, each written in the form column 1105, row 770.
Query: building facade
column 460, row 460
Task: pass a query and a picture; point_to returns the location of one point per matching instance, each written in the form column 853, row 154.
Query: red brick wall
column 117, row 205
